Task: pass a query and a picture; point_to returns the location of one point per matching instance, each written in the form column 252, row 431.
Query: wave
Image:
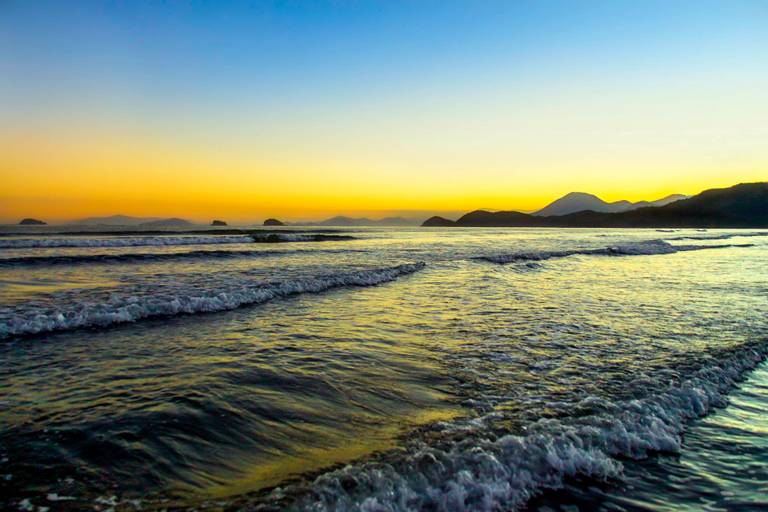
column 646, row 248
column 130, row 309
column 30, row 243
column 297, row 237
column 152, row 257
column 483, row 472
column 722, row 236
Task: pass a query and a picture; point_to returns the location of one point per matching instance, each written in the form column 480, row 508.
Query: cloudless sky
column 241, row 110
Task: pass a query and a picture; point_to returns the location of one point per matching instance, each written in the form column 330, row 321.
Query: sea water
column 384, row 369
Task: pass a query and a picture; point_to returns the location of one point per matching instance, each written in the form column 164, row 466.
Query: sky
column 302, row 109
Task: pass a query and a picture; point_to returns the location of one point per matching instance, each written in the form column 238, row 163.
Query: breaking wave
column 723, row 236
column 489, row 473
column 297, row 237
column 29, row 243
column 152, row 257
column 646, row 248
column 130, row 309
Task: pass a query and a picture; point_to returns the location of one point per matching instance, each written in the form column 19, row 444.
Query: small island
column 273, row 222
column 32, row 222
column 218, row 223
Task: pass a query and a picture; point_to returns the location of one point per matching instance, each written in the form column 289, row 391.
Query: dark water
column 403, row 369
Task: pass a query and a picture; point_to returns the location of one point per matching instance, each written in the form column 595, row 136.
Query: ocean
column 384, row 369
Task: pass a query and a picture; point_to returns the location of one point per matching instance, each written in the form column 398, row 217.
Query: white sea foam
column 129, row 309
column 141, row 257
column 137, row 241
column 28, row 243
column 297, row 237
column 719, row 236
column 484, row 473
column 644, row 248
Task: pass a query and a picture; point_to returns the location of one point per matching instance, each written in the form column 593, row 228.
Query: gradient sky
column 305, row 109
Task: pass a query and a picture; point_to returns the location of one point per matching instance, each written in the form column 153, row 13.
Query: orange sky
column 372, row 110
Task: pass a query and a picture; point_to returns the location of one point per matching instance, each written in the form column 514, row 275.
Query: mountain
column 363, row 221
column 438, row 222
column 114, row 220
column 125, row 220
column 741, row 206
column 483, row 218
column 274, row 222
column 31, row 222
column 581, row 201
column 661, row 202
column 173, row 222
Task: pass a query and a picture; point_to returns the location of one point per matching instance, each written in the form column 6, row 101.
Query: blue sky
column 361, row 96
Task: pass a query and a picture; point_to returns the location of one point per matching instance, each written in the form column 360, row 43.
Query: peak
column 579, row 195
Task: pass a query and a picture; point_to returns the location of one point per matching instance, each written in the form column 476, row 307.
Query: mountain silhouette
column 115, row 220
column 31, row 222
column 173, row 222
column 580, row 201
column 741, row 206
column 342, row 220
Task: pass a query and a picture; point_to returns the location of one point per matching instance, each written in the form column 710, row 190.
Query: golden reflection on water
column 301, row 460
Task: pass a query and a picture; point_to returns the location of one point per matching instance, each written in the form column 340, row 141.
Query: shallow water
column 403, row 369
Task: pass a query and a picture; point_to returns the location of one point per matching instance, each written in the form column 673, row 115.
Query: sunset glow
column 365, row 108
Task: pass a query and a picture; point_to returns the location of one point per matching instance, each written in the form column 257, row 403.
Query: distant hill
column 581, row 201
column 115, row 220
column 740, row 206
column 363, row 221
column 173, row 222
column 274, row 222
column 438, row 222
column 31, row 222
column 125, row 220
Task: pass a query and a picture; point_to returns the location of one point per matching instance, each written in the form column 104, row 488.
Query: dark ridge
column 31, row 222
column 741, row 206
column 482, row 218
column 173, row 222
column 218, row 223
column 155, row 232
column 273, row 222
column 438, row 222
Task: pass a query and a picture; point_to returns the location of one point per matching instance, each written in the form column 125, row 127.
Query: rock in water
column 218, row 223
column 273, row 222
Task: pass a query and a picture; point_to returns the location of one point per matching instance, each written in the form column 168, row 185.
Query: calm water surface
column 403, row 369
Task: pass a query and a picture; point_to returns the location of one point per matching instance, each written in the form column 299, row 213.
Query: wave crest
column 130, row 309
column 485, row 473
column 138, row 241
column 645, row 248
